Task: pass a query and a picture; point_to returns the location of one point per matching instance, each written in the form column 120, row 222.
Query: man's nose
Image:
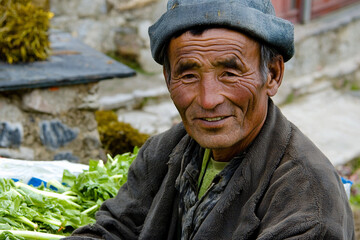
column 210, row 92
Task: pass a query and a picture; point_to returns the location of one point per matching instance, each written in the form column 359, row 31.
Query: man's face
column 218, row 89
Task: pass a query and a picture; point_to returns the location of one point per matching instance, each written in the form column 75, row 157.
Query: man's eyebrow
column 229, row 63
column 184, row 66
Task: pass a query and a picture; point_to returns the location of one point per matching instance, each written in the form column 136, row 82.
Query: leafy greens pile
column 54, row 211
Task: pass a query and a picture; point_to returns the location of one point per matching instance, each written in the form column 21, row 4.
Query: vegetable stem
column 89, row 210
column 33, row 235
column 44, row 193
column 27, row 222
column 48, row 221
column 68, row 199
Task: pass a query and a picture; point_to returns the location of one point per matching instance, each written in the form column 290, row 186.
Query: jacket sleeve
column 305, row 202
column 123, row 216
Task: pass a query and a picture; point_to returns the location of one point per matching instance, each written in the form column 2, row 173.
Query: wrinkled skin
column 218, row 89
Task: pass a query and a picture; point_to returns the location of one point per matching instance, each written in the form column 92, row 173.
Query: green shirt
column 209, row 169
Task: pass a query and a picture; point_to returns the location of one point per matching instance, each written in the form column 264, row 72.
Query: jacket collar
column 253, row 175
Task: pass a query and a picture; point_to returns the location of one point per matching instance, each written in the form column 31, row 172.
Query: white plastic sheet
column 24, row 170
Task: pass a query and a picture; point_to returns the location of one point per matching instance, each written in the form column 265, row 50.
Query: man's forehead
column 199, row 32
column 214, row 39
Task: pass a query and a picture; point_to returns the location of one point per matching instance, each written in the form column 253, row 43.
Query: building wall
column 50, row 124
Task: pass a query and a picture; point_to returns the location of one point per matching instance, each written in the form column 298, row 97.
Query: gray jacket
column 285, row 188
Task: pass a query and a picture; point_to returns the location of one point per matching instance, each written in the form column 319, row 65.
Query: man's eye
column 229, row 74
column 189, row 76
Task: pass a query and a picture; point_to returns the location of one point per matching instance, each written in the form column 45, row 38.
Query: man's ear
column 275, row 75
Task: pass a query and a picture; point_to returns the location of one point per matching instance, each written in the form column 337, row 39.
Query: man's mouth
column 213, row 119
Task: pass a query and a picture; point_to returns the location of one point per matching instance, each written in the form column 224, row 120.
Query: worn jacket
column 284, row 188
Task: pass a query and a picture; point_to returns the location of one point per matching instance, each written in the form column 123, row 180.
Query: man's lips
column 213, row 119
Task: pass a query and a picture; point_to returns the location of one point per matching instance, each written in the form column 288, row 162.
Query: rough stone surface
column 10, row 135
column 52, row 122
column 143, row 32
column 153, row 119
column 91, row 8
column 54, row 134
column 9, row 110
column 61, row 100
column 92, row 32
column 128, row 44
column 18, row 153
column 45, row 101
column 143, row 121
column 105, row 24
column 147, row 62
column 67, row 156
column 336, row 75
column 82, row 8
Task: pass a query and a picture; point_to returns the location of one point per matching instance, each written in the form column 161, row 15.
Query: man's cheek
column 182, row 97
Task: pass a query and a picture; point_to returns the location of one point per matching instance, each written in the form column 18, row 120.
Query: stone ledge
column 132, row 100
column 331, row 120
column 320, row 80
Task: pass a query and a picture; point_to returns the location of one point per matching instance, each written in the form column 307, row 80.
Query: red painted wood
column 322, row 7
column 288, row 9
column 291, row 9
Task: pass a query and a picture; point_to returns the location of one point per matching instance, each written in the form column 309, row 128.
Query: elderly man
column 235, row 168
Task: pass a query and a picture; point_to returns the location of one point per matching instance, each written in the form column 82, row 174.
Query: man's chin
column 213, row 143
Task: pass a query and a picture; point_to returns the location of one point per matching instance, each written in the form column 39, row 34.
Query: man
column 235, row 168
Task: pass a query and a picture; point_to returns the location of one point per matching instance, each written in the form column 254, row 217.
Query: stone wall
column 110, row 25
column 50, row 124
column 122, row 25
column 327, row 55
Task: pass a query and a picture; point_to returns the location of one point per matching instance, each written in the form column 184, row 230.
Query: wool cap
column 255, row 18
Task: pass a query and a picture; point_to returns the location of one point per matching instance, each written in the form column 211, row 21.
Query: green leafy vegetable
column 27, row 212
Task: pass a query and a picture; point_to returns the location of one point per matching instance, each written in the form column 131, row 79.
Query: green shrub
column 23, row 31
column 117, row 137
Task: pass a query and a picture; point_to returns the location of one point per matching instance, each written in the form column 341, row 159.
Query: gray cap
column 255, row 18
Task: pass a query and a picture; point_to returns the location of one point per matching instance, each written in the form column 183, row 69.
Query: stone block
column 64, row 7
column 128, row 43
column 18, row 153
column 10, row 135
column 81, row 8
column 328, row 51
column 66, row 156
column 91, row 141
column 9, row 111
column 307, row 57
column 148, row 63
column 64, row 23
column 91, row 8
column 54, row 134
column 50, row 101
column 90, row 32
column 143, row 28
column 90, row 100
